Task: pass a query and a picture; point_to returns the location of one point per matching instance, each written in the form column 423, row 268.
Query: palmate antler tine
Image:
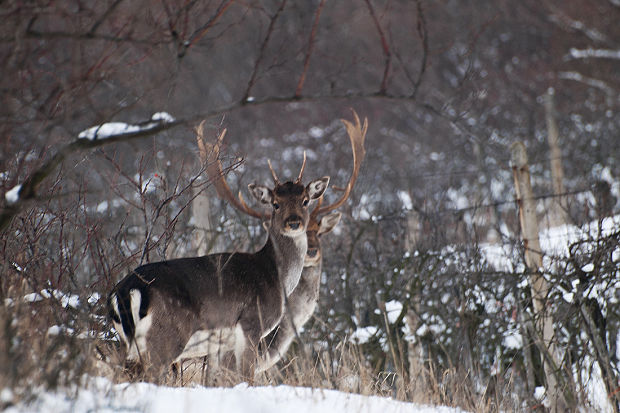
column 209, row 155
column 357, row 136
column 301, row 172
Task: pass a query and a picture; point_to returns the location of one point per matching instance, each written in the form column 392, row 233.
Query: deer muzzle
column 294, row 223
column 312, row 252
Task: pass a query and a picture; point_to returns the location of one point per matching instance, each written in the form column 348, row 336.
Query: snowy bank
column 99, row 395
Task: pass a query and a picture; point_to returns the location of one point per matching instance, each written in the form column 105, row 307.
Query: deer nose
column 312, row 252
column 294, row 223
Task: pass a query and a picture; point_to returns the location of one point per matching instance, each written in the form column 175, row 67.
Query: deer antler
column 275, row 177
column 273, row 173
column 209, row 155
column 301, row 172
column 357, row 135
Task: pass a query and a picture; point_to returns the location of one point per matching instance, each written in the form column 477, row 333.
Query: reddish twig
column 386, row 48
column 422, row 32
column 261, row 52
column 205, row 28
column 302, row 78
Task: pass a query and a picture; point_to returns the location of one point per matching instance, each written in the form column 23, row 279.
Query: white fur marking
column 142, row 326
column 291, row 278
column 118, row 326
column 240, row 345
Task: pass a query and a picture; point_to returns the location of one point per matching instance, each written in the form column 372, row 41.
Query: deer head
column 320, row 220
column 289, row 202
column 315, row 231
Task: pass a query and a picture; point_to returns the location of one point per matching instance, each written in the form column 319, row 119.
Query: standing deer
column 168, row 311
column 302, row 302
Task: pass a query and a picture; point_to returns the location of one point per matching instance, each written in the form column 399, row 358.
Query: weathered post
column 538, row 285
column 559, row 205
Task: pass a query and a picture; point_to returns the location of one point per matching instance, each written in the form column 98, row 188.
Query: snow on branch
column 26, row 193
column 12, row 195
column 594, row 53
column 567, row 23
column 114, row 129
column 578, row 77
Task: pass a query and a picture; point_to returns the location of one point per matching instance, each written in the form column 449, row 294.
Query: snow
column 405, row 198
column 162, row 116
column 102, row 207
column 112, row 129
column 6, row 395
column 588, row 267
column 316, row 132
column 594, row 53
column 65, row 299
column 12, row 195
column 98, row 394
column 513, row 340
column 363, row 334
column 393, row 309
column 107, row 130
column 539, row 394
column 554, row 242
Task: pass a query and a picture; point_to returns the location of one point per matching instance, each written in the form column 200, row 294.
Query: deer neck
column 289, row 252
column 311, row 276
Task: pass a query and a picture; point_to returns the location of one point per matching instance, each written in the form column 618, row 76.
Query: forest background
column 411, row 294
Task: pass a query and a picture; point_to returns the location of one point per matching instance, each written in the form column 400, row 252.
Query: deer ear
column 261, row 193
column 328, row 222
column 317, row 187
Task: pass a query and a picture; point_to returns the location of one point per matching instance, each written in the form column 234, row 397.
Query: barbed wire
column 502, row 164
column 400, row 214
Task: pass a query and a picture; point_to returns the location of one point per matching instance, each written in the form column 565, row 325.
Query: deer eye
column 276, row 205
column 305, row 203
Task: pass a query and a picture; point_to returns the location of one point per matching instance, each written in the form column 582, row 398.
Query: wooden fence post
column 200, row 208
column 538, row 285
column 559, row 205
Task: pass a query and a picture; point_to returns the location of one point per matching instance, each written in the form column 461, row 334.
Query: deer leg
column 163, row 348
column 245, row 352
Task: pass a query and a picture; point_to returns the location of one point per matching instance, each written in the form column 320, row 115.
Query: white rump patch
column 118, row 326
column 142, row 326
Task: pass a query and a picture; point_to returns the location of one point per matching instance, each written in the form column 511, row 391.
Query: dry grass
column 34, row 354
column 345, row 368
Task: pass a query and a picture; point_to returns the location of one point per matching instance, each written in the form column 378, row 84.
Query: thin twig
column 386, row 48
column 261, row 52
column 302, row 78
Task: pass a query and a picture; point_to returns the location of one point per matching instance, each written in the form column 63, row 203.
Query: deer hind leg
column 138, row 347
column 132, row 329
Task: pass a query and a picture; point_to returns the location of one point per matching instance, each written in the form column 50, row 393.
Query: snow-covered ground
column 99, row 395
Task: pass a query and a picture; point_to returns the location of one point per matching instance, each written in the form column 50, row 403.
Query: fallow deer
column 168, row 311
column 302, row 302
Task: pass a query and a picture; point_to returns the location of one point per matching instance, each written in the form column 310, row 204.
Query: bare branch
column 261, row 52
column 198, row 34
column 27, row 193
column 423, row 33
column 302, row 78
column 386, row 48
